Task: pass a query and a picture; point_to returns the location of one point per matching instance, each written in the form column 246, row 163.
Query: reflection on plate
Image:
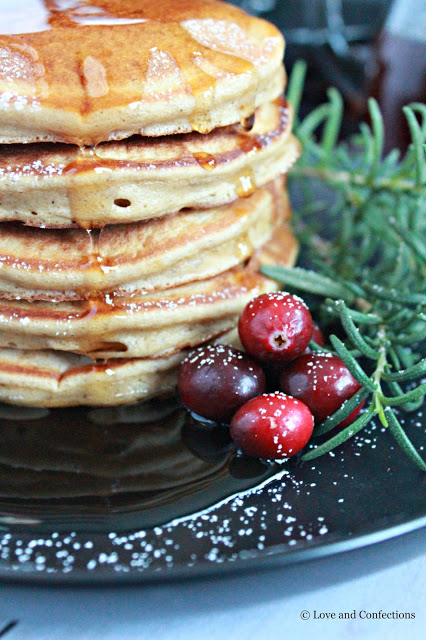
column 143, row 491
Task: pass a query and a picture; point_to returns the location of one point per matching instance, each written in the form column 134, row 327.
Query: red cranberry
column 275, row 327
column 317, row 337
column 214, row 381
column 272, row 426
column 323, row 382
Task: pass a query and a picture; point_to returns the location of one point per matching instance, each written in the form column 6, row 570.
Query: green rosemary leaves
column 367, row 268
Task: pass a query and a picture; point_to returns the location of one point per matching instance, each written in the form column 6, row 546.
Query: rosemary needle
column 369, row 268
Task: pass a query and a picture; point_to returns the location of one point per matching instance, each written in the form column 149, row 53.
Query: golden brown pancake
column 88, row 71
column 52, row 264
column 145, row 324
column 136, row 244
column 48, row 378
column 56, row 185
column 59, row 379
column 55, row 379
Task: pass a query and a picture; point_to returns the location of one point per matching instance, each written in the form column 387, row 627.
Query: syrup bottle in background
column 401, row 77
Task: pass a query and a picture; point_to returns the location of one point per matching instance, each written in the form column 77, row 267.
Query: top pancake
column 87, row 71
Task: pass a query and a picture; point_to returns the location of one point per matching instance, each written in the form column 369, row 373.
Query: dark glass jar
column 401, row 77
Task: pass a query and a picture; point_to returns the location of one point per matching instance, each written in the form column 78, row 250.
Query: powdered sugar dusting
column 229, row 37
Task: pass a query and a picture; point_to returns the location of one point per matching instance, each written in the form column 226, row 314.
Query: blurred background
column 362, row 47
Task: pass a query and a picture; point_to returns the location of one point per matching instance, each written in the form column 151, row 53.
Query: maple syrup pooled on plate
column 84, row 464
column 97, row 453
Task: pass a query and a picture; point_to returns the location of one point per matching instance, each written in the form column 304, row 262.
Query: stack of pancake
column 144, row 148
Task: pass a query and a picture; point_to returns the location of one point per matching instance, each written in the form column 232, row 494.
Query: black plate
column 143, row 492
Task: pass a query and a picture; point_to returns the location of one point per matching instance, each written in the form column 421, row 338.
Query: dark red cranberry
column 323, row 382
column 275, row 327
column 214, row 381
column 272, row 426
column 317, row 337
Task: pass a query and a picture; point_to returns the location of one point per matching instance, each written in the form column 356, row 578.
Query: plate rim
column 258, row 560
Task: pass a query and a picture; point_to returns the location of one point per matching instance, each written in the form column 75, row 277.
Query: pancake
column 47, row 378
column 59, row 379
column 54, row 185
column 88, row 71
column 140, row 148
column 55, row 379
column 52, row 264
column 153, row 324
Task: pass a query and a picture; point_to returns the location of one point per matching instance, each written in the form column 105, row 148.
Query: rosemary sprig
column 369, row 268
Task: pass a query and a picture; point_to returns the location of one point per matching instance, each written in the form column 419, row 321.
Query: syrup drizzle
column 96, row 260
column 97, row 303
column 250, row 144
column 44, row 15
column 79, row 195
column 86, row 160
